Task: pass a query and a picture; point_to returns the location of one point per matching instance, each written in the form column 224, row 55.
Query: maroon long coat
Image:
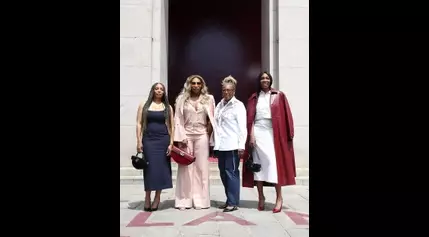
column 283, row 132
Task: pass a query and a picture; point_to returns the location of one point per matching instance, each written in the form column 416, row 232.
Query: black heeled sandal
column 147, row 208
column 155, row 208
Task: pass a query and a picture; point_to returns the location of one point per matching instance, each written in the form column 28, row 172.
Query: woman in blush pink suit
column 193, row 132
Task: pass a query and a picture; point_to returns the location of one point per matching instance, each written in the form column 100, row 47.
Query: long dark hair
column 258, row 85
column 149, row 100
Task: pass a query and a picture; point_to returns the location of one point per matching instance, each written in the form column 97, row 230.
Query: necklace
column 156, row 106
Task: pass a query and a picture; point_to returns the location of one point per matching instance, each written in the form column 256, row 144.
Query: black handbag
column 139, row 163
column 250, row 165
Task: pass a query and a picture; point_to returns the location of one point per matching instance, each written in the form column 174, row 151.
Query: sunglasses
column 195, row 83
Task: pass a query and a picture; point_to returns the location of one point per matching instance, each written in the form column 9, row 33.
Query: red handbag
column 181, row 157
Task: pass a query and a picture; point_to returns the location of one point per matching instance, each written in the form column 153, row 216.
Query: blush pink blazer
column 179, row 119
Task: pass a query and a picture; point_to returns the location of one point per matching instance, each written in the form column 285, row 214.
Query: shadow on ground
column 167, row 204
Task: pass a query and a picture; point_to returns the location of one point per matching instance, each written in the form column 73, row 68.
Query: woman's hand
column 169, row 149
column 252, row 142
column 139, row 147
column 183, row 144
column 240, row 153
column 209, row 127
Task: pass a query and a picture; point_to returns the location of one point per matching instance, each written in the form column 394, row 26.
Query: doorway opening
column 215, row 39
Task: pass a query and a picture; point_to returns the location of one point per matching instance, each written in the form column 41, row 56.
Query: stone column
column 135, row 68
column 293, row 69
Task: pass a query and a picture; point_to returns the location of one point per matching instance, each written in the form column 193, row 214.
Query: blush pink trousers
column 192, row 183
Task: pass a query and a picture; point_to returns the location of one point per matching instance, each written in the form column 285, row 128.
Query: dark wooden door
column 214, row 39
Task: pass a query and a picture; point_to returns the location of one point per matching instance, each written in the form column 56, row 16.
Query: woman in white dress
column 270, row 125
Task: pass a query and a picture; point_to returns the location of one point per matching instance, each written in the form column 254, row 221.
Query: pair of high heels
column 151, row 208
column 262, row 207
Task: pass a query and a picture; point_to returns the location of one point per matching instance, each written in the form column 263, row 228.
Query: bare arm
column 139, row 134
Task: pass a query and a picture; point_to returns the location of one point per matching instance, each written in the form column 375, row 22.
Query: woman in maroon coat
column 270, row 141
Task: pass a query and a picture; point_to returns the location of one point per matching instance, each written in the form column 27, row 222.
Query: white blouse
column 263, row 106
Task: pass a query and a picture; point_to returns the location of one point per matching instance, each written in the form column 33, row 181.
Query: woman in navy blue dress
column 154, row 129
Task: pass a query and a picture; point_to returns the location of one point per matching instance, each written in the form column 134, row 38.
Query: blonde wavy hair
column 229, row 80
column 186, row 91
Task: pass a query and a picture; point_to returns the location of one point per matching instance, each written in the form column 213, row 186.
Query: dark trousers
column 228, row 162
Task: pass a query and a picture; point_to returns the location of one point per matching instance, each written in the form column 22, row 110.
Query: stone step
column 130, row 171
column 129, row 175
column 214, row 180
column 214, row 170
